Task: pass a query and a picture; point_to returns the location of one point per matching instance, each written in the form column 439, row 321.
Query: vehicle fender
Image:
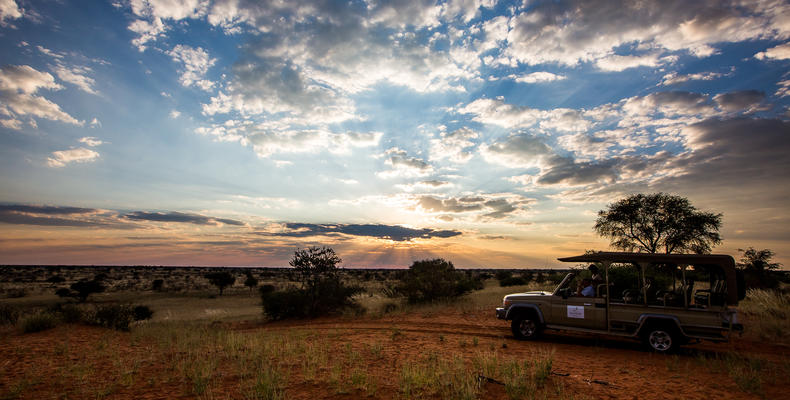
column 517, row 308
column 644, row 319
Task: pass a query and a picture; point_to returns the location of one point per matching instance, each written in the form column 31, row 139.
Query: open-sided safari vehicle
column 664, row 299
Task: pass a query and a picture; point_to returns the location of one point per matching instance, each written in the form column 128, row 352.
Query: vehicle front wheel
column 525, row 328
column 661, row 339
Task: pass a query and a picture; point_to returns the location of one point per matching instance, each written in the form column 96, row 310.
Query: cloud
column 572, row 32
column 18, row 86
column 617, row 63
column 497, row 112
column 389, row 232
column 673, row 78
column 77, row 76
column 196, row 62
column 268, row 139
column 9, row 10
column 80, row 155
column 91, row 141
column 404, row 165
column 784, row 88
column 780, row 52
column 39, row 215
column 454, row 145
column 179, row 217
column 743, row 100
column 518, row 151
column 23, row 214
column 482, row 206
column 153, row 15
column 540, row 76
column 673, row 103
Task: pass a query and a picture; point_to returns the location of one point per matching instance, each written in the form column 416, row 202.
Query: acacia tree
column 757, row 267
column 322, row 287
column 220, row 279
column 658, row 222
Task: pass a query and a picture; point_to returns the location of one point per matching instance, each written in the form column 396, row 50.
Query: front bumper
column 501, row 312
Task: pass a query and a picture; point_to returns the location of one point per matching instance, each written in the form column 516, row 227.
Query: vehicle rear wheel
column 661, row 338
column 525, row 328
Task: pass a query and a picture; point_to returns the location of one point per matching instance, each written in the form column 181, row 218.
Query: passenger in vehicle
column 596, row 275
column 586, row 288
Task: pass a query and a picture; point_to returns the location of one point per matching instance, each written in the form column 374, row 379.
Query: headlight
column 506, row 302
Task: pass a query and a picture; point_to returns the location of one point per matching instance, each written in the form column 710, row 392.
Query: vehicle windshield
column 565, row 283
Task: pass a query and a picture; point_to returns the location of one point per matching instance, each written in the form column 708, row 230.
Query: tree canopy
column 221, row 280
column 658, row 222
column 757, row 260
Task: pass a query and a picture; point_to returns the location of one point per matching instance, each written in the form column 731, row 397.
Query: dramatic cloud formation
column 248, row 125
column 390, row 232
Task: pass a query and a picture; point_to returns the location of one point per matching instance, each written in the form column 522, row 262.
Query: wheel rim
column 660, row 340
column 527, row 328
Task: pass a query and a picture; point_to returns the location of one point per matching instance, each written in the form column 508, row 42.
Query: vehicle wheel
column 661, row 338
column 525, row 328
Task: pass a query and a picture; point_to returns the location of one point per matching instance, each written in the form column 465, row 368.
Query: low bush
column 512, row 281
column 16, row 293
column 142, row 313
column 68, row 312
column 8, row 314
column 118, row 316
column 289, row 303
column 38, row 322
column 430, row 280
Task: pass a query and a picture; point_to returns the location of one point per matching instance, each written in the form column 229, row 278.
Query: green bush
column 38, row 322
column 142, row 313
column 8, row 314
column 114, row 316
column 68, row 313
column 322, row 289
column 289, row 303
column 512, row 281
column 429, row 280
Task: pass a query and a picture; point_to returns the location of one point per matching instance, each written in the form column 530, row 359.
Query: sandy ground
column 75, row 361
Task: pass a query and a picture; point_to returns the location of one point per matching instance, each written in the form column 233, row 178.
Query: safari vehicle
column 666, row 300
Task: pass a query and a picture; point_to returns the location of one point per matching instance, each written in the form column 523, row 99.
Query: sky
column 488, row 133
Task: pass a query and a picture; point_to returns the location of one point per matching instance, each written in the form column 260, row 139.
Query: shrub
column 69, row 313
column 512, row 281
column 114, row 316
column 16, row 293
column 157, row 284
column 430, row 280
column 503, row 274
column 284, row 304
column 84, row 288
column 221, row 280
column 142, row 313
column 322, row 290
column 8, row 314
column 250, row 282
column 38, row 322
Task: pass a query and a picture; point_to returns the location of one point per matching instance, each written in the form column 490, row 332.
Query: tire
column 525, row 328
column 661, row 338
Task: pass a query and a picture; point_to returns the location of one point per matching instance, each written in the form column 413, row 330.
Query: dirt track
column 583, row 366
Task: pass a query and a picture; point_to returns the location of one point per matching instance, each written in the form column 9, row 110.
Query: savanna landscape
column 200, row 344
column 394, row 199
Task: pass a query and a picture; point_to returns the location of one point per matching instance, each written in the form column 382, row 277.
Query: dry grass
column 767, row 315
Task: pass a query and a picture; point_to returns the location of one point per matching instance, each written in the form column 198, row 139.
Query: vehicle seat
column 711, row 297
